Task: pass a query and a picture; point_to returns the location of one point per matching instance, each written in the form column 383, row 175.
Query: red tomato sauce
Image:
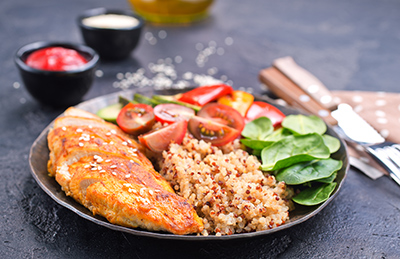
column 55, row 59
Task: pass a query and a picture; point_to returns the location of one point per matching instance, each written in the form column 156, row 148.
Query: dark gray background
column 348, row 44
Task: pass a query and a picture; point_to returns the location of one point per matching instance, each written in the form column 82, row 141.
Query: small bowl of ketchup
column 57, row 74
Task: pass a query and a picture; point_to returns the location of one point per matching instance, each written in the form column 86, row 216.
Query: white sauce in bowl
column 111, row 21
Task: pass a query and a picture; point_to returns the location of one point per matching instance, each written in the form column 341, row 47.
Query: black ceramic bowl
column 111, row 43
column 57, row 88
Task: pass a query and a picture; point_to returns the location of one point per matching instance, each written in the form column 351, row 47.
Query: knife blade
column 343, row 119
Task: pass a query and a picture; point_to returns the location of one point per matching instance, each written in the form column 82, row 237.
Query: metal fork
column 388, row 155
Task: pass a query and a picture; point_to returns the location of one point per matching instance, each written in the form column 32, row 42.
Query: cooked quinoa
column 226, row 187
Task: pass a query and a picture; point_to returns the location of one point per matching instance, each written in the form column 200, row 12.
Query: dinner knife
column 282, row 80
column 306, row 81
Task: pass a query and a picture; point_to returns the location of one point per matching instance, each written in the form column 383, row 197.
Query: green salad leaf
column 293, row 149
column 329, row 179
column 278, row 134
column 258, row 129
column 331, row 142
column 256, row 144
column 309, row 171
column 315, row 195
column 300, row 124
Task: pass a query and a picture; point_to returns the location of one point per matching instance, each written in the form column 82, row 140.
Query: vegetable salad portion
column 294, row 148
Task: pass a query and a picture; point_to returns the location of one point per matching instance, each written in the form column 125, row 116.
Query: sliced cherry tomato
column 223, row 114
column 136, row 118
column 170, row 112
column 205, row 94
column 238, row 100
column 259, row 109
column 212, row 131
column 159, row 140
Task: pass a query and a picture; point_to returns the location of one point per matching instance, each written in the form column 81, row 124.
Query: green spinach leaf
column 331, row 142
column 256, row 152
column 301, row 124
column 329, row 179
column 309, row 171
column 315, row 195
column 292, row 150
column 275, row 136
column 256, row 144
column 278, row 135
column 258, row 129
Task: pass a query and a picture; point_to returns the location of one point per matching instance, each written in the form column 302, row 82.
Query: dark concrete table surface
column 348, row 44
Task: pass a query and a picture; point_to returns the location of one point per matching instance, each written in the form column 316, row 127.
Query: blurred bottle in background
column 172, row 11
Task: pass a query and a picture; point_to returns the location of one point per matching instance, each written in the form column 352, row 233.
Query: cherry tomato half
column 136, row 118
column 259, row 109
column 223, row 114
column 170, row 112
column 210, row 130
column 159, row 140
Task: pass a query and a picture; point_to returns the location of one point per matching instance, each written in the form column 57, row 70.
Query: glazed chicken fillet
column 104, row 169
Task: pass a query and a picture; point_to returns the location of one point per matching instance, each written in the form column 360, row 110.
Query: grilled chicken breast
column 104, row 169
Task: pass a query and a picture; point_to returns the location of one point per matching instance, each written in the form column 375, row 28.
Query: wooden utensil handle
column 307, row 81
column 284, row 88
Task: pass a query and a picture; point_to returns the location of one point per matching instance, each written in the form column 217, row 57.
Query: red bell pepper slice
column 205, row 94
column 258, row 109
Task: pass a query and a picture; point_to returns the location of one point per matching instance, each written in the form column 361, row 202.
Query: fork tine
column 383, row 158
column 394, row 170
column 393, row 154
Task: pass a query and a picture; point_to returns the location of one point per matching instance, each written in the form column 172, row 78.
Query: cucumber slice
column 124, row 101
column 144, row 99
column 110, row 113
column 171, row 99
